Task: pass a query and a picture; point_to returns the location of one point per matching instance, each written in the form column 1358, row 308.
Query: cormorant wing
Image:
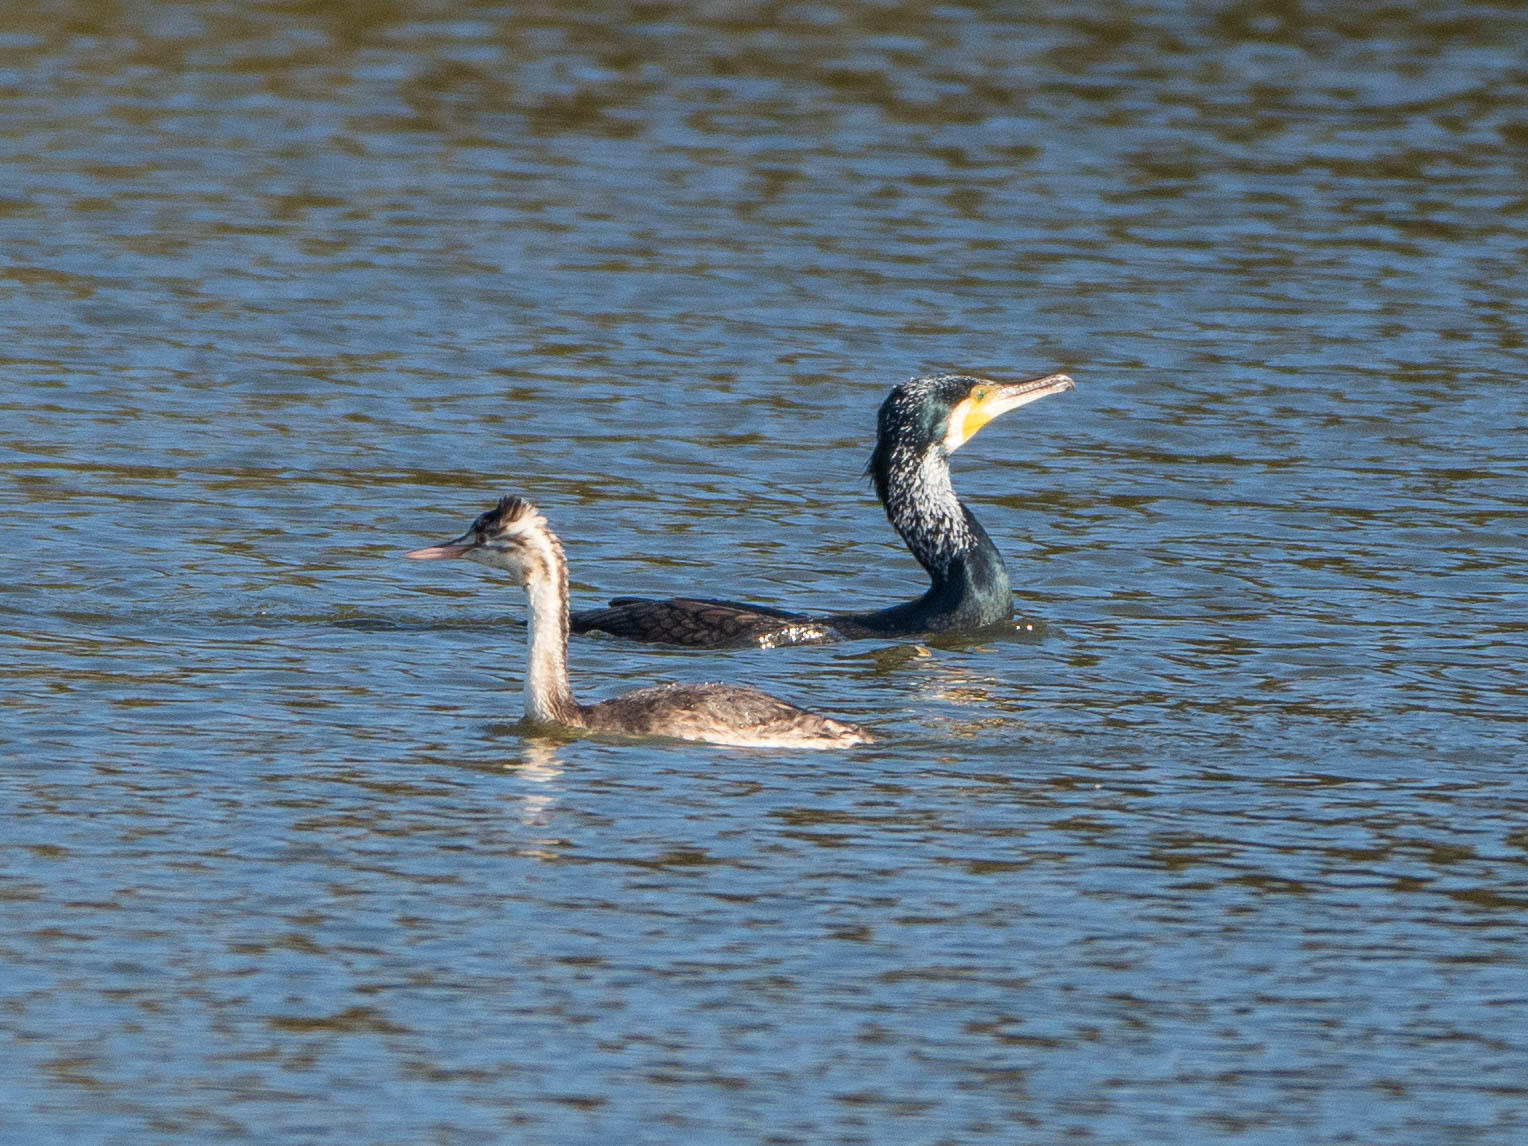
column 700, row 623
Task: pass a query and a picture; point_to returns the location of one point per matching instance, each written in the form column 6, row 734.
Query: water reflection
column 539, row 765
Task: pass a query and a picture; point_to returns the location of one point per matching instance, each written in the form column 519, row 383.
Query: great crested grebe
column 514, row 537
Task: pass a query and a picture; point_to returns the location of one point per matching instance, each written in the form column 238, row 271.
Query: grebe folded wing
column 738, row 715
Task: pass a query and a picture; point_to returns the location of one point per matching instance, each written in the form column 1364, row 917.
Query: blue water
column 1228, row 842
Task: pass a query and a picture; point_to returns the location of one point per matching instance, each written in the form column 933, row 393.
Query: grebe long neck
column 548, row 696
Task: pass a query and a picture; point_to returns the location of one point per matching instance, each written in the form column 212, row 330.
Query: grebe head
column 505, row 537
column 944, row 411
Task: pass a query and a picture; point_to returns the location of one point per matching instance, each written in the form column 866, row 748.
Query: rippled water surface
column 1232, row 846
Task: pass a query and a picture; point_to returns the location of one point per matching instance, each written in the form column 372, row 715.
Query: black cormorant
column 922, row 422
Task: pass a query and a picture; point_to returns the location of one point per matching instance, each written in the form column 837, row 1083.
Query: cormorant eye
column 981, row 393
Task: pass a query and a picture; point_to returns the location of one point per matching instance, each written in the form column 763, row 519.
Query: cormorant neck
column 548, row 696
column 969, row 585
column 922, row 507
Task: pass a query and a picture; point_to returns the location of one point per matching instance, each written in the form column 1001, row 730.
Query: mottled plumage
column 719, row 714
column 698, row 622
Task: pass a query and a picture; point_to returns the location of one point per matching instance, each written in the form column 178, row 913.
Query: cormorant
column 922, row 422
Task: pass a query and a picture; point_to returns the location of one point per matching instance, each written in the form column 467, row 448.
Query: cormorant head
column 943, row 412
column 510, row 536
